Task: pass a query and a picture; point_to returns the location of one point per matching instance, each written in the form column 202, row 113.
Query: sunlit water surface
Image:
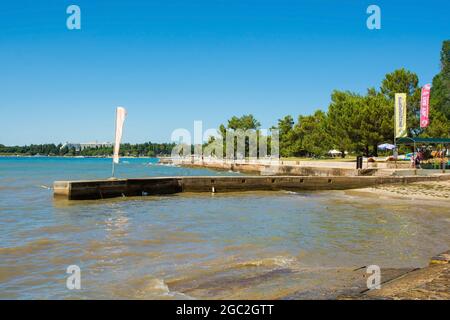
column 237, row 245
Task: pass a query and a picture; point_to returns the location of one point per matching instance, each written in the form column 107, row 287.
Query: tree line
column 147, row 149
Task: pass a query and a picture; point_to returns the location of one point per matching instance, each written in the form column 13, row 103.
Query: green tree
column 440, row 90
column 404, row 81
column 312, row 130
column 343, row 123
column 439, row 126
column 244, row 123
column 375, row 122
column 289, row 139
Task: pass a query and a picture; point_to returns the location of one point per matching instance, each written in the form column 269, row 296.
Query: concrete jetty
column 291, row 168
column 110, row 188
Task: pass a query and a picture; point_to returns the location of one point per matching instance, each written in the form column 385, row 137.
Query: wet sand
column 428, row 283
column 428, row 190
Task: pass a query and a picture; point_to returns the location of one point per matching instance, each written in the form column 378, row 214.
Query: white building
column 81, row 146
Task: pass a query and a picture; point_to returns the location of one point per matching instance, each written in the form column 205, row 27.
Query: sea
column 252, row 245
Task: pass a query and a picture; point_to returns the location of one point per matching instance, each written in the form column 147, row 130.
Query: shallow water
column 239, row 245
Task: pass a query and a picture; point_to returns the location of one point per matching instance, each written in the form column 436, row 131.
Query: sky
column 170, row 63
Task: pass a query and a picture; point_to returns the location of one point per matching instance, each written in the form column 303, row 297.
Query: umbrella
column 386, row 146
column 334, row 152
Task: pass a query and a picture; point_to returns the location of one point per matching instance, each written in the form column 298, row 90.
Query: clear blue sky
column 172, row 62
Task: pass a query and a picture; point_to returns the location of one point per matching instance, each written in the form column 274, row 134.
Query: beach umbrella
column 334, row 153
column 386, row 146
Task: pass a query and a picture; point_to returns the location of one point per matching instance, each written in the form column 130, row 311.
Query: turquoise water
column 239, row 245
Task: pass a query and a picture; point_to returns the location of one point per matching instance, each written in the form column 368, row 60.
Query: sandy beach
column 428, row 190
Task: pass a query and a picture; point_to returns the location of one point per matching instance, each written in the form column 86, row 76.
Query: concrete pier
column 110, row 188
column 291, row 168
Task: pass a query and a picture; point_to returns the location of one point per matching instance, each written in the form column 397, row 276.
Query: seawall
column 286, row 167
column 109, row 188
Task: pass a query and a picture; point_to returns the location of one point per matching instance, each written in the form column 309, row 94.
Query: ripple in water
column 262, row 245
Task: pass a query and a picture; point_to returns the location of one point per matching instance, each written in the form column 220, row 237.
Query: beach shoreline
column 424, row 190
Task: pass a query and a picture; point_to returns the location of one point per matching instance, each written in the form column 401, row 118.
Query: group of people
column 421, row 155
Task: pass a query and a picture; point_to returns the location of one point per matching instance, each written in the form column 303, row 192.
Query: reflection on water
column 250, row 245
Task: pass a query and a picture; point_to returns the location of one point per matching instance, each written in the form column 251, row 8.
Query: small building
column 82, row 146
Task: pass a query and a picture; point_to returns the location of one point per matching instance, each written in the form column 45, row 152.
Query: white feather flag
column 121, row 113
